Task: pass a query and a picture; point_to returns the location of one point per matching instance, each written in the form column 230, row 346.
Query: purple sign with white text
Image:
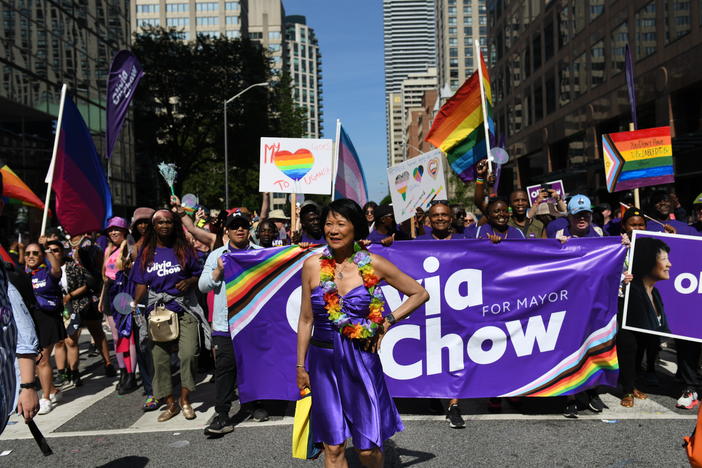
column 533, row 190
column 125, row 74
column 532, row 317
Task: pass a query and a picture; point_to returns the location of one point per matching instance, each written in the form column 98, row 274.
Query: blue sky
column 350, row 34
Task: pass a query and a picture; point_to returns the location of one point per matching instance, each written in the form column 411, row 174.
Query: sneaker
column 595, row 404
column 260, row 414
column 688, row 400
column 61, row 378
column 44, row 406
column 75, row 378
column 54, row 398
column 221, row 424
column 151, row 403
column 571, row 410
column 92, row 350
column 454, row 417
column 494, row 405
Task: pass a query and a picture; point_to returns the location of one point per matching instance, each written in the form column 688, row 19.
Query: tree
column 179, row 114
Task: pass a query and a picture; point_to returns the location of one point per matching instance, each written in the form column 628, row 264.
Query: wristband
column 181, row 213
column 479, row 181
column 391, row 319
column 300, row 366
column 28, row 386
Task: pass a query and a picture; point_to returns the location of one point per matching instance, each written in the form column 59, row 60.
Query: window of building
column 453, row 62
column 564, row 83
column 469, row 64
column 452, row 31
column 452, row 11
column 452, row 21
column 536, row 50
column 256, row 35
column 233, row 34
column 549, row 49
column 454, row 84
column 145, row 22
column 580, row 75
column 618, row 42
column 453, row 41
column 453, row 73
column 207, row 20
column 208, row 33
column 275, row 47
column 597, row 7
column 231, row 19
column 646, row 30
column 206, row 6
column 274, row 35
column 232, row 6
column 468, row 30
column 515, row 70
column 597, row 63
column 483, row 30
column 564, row 23
column 482, row 20
column 178, row 22
column 469, row 50
column 453, row 52
column 538, row 102
column 177, row 7
column 147, row 8
column 579, row 15
column 678, row 18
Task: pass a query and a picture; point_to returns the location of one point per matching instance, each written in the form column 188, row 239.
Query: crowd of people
column 168, row 260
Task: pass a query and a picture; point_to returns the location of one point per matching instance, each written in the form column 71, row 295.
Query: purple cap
column 117, row 222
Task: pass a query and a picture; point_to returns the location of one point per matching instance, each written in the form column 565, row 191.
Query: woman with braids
column 341, row 299
column 168, row 268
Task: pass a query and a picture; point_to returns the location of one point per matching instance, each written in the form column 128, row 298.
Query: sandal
column 627, row 401
column 168, row 413
column 639, row 394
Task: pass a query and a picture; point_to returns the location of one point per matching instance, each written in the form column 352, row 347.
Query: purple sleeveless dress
column 349, row 396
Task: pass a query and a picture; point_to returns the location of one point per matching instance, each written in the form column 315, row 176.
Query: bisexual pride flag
column 83, row 199
column 350, row 180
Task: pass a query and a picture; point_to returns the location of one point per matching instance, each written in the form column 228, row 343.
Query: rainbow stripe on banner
column 458, row 129
column 255, row 280
column 640, row 158
column 598, row 355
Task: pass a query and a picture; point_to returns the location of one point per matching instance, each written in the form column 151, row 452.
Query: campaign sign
column 296, row 165
column 415, row 183
column 533, row 190
column 672, row 307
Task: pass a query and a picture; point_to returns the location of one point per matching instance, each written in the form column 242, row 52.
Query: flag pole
column 50, row 175
column 335, row 159
column 483, row 105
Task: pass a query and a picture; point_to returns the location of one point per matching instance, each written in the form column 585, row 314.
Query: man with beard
column 659, row 208
column 530, row 227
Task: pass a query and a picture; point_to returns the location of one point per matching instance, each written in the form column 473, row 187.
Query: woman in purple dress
column 341, row 299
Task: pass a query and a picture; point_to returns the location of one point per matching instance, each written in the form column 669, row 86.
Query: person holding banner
column 579, row 220
column 385, row 227
column 340, row 297
column 660, row 207
column 497, row 228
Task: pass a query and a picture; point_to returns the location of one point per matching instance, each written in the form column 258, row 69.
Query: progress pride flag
column 529, row 317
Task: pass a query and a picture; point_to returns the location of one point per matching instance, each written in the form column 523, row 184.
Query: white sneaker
column 688, row 400
column 55, row 397
column 44, row 406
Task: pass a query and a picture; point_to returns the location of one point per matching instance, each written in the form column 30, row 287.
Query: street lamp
column 226, row 141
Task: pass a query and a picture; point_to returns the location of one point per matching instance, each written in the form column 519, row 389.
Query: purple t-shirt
column 680, row 227
column 556, row 225
column 307, row 238
column 165, row 272
column 590, row 233
column 47, row 289
column 481, row 232
column 429, row 236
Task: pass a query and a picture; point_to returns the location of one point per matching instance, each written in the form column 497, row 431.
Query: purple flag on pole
column 629, row 70
column 125, row 74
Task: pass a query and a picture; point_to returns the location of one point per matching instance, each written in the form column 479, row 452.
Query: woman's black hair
column 350, row 210
column 494, row 200
column 267, row 222
column 370, row 204
column 646, row 251
column 57, row 244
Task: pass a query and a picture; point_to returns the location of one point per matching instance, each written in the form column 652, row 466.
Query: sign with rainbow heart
column 415, row 183
column 296, row 165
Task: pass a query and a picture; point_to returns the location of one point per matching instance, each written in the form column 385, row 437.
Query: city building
column 213, row 17
column 44, row 44
column 304, row 63
column 459, row 23
column 412, row 92
column 558, row 84
column 409, row 46
column 267, row 25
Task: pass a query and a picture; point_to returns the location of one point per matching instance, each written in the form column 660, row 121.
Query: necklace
column 359, row 328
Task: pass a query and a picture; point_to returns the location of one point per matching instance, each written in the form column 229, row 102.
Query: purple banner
column 125, row 74
column 532, row 317
column 680, row 295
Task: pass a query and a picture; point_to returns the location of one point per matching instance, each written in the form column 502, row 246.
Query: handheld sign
column 638, row 159
column 415, row 183
column 296, row 165
column 533, row 190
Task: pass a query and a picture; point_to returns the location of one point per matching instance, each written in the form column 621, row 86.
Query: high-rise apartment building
column 212, row 17
column 267, row 25
column 459, row 23
column 412, row 92
column 558, row 84
column 44, row 44
column 304, row 63
column 409, row 46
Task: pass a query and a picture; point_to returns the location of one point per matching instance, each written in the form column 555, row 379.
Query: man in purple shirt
column 579, row 220
column 385, row 226
column 311, row 224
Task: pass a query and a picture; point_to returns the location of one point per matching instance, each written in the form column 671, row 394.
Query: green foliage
column 386, row 200
column 179, row 115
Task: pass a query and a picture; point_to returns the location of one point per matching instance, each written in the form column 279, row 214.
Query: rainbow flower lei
column 363, row 328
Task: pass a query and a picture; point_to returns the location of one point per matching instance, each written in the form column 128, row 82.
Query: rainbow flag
column 83, row 199
column 350, row 179
column 16, row 191
column 638, row 159
column 458, row 129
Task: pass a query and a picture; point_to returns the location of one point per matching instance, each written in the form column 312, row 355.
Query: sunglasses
column 32, row 253
column 55, row 250
column 235, row 226
column 434, row 202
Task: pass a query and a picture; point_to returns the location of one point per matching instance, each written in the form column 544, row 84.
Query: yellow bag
column 303, row 446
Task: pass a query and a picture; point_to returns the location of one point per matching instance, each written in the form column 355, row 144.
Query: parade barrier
column 533, row 318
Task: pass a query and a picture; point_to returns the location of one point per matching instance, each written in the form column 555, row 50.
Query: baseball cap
column 578, row 204
column 237, row 220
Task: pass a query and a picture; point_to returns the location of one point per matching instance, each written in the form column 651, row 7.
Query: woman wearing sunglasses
column 45, row 270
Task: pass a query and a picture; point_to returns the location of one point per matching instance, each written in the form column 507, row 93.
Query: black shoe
column 595, row 404
column 75, row 378
column 221, row 424
column 128, row 385
column 122, row 378
column 92, row 350
column 110, row 371
column 61, row 378
column 260, row 414
column 454, row 417
column 571, row 409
